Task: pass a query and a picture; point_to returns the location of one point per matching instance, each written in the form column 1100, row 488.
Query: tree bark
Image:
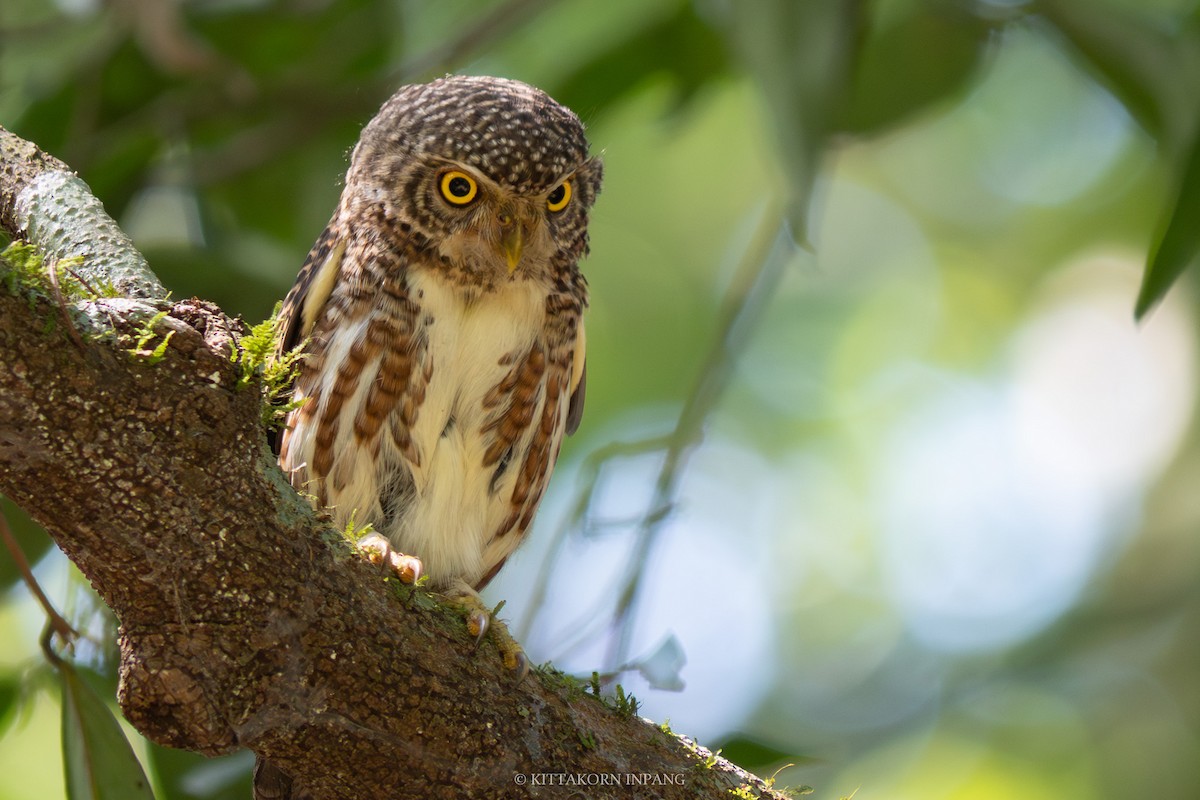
column 245, row 620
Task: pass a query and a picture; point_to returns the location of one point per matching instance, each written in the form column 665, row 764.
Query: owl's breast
column 439, row 426
column 473, row 342
column 483, row 408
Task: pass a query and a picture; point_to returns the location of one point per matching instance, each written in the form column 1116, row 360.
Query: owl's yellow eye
column 558, row 199
column 458, row 188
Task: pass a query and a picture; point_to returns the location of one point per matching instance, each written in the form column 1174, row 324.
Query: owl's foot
column 482, row 622
column 378, row 550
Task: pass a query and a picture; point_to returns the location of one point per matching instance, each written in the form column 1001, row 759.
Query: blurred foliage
column 956, row 161
column 1152, row 63
column 99, row 763
column 32, row 540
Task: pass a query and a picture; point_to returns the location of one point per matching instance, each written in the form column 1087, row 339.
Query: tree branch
column 245, row 621
column 42, row 201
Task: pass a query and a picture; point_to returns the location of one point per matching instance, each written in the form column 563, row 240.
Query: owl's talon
column 374, row 548
column 378, row 550
column 519, row 663
column 478, row 622
column 406, row 568
column 481, row 623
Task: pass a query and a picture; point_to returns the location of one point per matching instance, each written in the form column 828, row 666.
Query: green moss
column 558, row 681
column 25, row 273
column 626, row 705
column 353, row 532
column 256, row 357
column 294, row 508
column 24, row 267
column 789, row 791
column 144, row 335
column 416, row 596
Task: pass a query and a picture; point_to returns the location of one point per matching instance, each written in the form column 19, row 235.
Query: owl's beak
column 512, row 238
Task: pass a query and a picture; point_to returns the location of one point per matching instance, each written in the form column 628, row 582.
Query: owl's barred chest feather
column 438, row 321
column 452, row 425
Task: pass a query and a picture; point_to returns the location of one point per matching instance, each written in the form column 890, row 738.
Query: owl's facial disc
column 495, row 228
column 501, row 236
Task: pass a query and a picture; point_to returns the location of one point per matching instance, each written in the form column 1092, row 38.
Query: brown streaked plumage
column 441, row 313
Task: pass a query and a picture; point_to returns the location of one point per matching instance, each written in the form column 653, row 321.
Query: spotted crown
column 510, row 131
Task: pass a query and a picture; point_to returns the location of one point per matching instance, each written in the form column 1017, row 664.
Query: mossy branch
column 44, row 203
column 244, row 620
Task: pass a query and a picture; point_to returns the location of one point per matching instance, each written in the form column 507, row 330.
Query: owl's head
column 492, row 173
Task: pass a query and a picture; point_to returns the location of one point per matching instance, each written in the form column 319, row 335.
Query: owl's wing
column 578, row 381
column 313, row 286
column 304, row 302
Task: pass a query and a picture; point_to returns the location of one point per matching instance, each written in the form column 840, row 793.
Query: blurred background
column 879, row 476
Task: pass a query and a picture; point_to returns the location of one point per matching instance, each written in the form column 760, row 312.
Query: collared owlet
column 441, row 317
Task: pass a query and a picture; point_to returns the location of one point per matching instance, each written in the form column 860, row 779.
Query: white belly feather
column 452, row 512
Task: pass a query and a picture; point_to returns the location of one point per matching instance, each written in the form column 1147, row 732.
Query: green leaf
column 97, row 759
column 800, row 55
column 898, row 71
column 1153, row 70
column 1152, row 64
column 1180, row 241
column 327, row 44
column 10, row 693
column 186, row 776
column 86, row 121
column 681, row 46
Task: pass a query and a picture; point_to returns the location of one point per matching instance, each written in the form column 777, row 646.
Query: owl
column 440, row 315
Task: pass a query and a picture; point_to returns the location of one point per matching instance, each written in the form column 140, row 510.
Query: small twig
column 165, row 37
column 487, row 28
column 54, row 621
column 62, row 305
column 46, row 642
column 651, row 515
column 83, row 283
column 751, row 288
column 589, row 477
